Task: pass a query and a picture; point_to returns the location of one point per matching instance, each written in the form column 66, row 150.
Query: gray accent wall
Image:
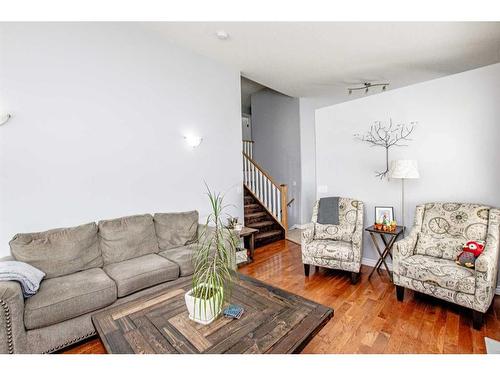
column 276, row 133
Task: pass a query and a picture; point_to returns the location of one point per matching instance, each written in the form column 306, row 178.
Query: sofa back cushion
column 348, row 211
column 176, row 229
column 59, row 252
column 466, row 220
column 127, row 237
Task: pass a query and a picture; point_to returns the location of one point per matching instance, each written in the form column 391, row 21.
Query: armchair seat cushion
column 443, row 272
column 338, row 250
column 65, row 297
column 183, row 257
column 139, row 273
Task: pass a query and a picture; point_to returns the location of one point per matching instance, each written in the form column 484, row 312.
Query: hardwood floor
column 368, row 318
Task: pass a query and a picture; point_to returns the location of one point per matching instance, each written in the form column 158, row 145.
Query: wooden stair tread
column 254, row 215
column 271, row 233
column 260, row 224
column 252, row 205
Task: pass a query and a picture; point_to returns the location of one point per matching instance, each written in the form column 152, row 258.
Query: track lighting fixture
column 367, row 86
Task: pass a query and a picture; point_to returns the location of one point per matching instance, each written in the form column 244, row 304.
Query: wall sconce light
column 193, row 141
column 5, row 118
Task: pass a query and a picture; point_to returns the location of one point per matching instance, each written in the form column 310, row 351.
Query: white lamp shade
column 404, row 169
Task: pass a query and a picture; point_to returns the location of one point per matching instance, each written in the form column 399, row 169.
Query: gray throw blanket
column 328, row 212
column 28, row 276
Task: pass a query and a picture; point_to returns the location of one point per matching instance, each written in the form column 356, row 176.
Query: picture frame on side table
column 381, row 211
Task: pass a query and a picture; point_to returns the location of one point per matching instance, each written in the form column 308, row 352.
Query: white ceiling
column 323, row 59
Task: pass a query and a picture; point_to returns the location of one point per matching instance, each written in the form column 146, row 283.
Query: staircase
column 265, row 201
column 256, row 216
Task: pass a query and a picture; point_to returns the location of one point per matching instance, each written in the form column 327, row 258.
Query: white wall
column 456, row 144
column 276, row 133
column 100, row 111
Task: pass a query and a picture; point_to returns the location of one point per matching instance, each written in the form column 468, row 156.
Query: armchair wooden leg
column 354, row 277
column 477, row 319
column 306, row 269
column 400, row 293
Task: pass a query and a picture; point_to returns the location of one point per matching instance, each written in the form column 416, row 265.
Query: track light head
column 366, row 86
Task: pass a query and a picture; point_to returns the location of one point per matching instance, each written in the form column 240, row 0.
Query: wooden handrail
column 271, row 195
column 268, row 176
column 248, row 141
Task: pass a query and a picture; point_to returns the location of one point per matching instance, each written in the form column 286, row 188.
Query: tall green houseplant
column 214, row 263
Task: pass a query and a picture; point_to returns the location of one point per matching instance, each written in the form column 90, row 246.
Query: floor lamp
column 403, row 169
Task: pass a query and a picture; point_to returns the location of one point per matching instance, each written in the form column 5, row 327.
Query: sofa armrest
column 307, row 234
column 12, row 330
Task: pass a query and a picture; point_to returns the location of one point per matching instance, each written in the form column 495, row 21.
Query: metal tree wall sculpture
column 387, row 137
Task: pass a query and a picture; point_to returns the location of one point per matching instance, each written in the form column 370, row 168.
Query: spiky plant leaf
column 214, row 260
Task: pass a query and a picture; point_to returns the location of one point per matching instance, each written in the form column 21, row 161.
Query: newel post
column 284, row 207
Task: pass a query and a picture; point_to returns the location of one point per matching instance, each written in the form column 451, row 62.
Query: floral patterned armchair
column 335, row 246
column 425, row 260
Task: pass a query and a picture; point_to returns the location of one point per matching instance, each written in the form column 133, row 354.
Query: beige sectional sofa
column 89, row 268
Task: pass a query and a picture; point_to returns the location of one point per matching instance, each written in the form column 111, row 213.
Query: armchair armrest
column 357, row 236
column 487, row 263
column 12, row 330
column 404, row 248
column 308, row 234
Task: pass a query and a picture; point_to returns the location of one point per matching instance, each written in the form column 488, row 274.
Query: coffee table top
column 274, row 321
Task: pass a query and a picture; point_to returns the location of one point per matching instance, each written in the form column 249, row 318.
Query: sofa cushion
column 183, row 257
column 439, row 246
column 139, row 273
column 176, row 229
column 466, row 220
column 59, row 252
column 338, row 250
column 443, row 272
column 127, row 237
column 65, row 297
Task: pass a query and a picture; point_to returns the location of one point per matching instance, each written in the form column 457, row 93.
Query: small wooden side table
column 248, row 235
column 388, row 243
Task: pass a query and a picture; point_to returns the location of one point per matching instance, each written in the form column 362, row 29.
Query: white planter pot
column 203, row 312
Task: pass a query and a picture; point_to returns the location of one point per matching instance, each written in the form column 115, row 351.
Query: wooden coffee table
column 274, row 321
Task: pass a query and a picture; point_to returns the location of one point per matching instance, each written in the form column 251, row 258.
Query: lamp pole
column 403, row 204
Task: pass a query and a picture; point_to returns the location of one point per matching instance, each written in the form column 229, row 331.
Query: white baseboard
column 299, row 226
column 371, row 263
